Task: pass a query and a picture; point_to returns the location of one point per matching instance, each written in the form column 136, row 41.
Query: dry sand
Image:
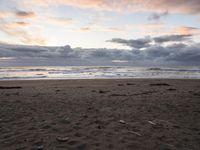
column 100, row 114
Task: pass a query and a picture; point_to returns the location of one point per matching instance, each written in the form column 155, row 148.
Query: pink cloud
column 59, row 21
column 186, row 30
column 16, row 30
column 85, row 29
column 4, row 14
column 173, row 6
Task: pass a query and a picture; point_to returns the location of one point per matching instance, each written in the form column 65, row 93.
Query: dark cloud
column 172, row 38
column 184, row 54
column 157, row 16
column 25, row 14
column 138, row 43
column 147, row 41
column 21, row 23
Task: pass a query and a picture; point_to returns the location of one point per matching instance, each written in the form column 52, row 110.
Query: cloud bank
column 147, row 41
column 149, row 51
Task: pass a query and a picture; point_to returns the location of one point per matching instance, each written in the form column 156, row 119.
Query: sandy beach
column 127, row 114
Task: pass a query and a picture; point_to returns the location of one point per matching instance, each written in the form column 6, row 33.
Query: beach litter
column 152, row 123
column 62, row 139
column 136, row 133
column 122, row 121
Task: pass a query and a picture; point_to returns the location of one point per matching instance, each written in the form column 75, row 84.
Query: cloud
column 153, row 54
column 94, row 4
column 186, row 30
column 114, row 29
column 151, row 29
column 101, row 28
column 85, row 29
column 139, row 43
column 175, row 6
column 25, row 14
column 59, row 20
column 148, row 41
column 157, row 16
column 16, row 30
column 172, row 38
column 15, row 25
column 184, row 54
column 157, row 28
column 20, row 51
column 21, row 23
column 5, row 14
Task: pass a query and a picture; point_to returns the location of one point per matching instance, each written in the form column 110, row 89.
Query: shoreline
column 79, row 79
column 100, row 114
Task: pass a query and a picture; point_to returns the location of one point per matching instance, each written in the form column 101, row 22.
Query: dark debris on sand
column 159, row 84
column 11, row 87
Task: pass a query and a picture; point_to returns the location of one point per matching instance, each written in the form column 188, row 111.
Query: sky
column 99, row 32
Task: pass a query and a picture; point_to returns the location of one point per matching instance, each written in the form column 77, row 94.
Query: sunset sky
column 125, row 26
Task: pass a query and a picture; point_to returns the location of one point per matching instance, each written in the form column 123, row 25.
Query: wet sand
column 138, row 114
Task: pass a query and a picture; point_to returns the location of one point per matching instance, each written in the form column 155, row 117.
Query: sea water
column 97, row 72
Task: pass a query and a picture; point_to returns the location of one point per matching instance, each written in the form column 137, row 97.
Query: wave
column 23, row 78
column 174, row 69
column 84, row 72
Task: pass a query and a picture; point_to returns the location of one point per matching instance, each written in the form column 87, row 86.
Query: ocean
column 97, row 72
